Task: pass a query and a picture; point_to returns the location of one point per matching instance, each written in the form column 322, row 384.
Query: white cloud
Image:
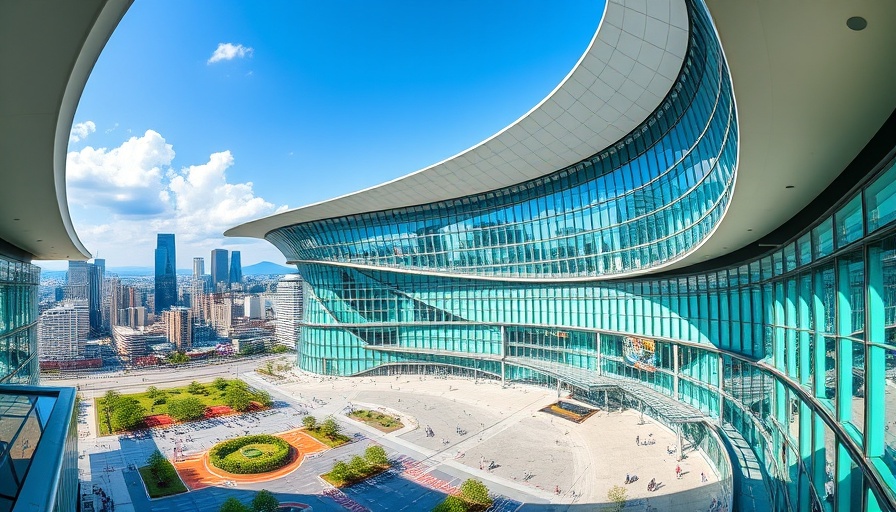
column 206, row 204
column 81, row 130
column 229, row 51
column 122, row 197
column 126, row 180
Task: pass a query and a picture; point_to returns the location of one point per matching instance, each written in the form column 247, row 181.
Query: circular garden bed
column 250, row 454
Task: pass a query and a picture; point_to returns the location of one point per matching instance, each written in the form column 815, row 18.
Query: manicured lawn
column 174, row 484
column 338, row 440
column 265, row 449
column 210, row 397
column 377, row 420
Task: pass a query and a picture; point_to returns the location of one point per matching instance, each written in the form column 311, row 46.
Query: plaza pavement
column 502, row 424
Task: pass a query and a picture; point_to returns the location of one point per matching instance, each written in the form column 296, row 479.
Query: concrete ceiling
column 626, row 72
column 47, row 50
column 810, row 93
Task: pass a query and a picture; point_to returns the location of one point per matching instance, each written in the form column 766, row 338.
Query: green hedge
column 261, row 464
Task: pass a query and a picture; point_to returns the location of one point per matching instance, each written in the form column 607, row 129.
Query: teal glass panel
column 823, row 238
column 848, row 223
column 880, row 200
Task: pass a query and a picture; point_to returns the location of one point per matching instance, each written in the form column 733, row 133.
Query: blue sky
column 304, row 101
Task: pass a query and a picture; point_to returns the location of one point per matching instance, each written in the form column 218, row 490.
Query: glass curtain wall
column 794, row 350
column 18, row 322
column 641, row 203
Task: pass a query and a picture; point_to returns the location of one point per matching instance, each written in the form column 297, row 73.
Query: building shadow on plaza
column 114, row 471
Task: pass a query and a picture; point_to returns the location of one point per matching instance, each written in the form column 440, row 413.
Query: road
column 134, row 381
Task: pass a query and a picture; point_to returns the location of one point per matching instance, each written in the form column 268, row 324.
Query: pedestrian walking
column 637, row 440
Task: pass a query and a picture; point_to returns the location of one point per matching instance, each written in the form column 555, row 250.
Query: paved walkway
column 534, row 453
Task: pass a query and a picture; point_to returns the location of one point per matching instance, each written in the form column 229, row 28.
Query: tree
column 309, row 422
column 158, row 466
column 264, row 501
column 358, row 467
column 474, row 491
column 376, row 456
column 237, row 398
column 340, row 472
column 195, row 388
column 128, row 413
column 329, row 428
column 617, row 496
column 234, row 505
column 110, row 400
column 186, row 409
column 178, row 357
column 153, row 392
column 220, row 384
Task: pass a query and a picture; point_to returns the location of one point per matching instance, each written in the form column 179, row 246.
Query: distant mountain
column 265, row 268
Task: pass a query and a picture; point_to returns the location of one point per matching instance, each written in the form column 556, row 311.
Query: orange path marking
column 197, row 472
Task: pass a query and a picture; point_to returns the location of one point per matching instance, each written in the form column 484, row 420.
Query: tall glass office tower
column 220, row 273
column 675, row 226
column 236, row 268
column 166, row 276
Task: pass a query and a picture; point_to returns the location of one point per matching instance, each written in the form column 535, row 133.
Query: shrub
column 263, row 397
column 358, row 467
column 237, row 398
column 329, row 428
column 234, row 505
column 617, row 495
column 451, row 504
column 264, row 501
column 474, row 491
column 153, row 392
column 186, row 409
column 340, row 471
column 195, row 388
column 376, row 456
column 309, row 422
column 261, row 464
column 220, row 384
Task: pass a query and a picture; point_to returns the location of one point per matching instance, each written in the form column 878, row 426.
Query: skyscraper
column 198, row 267
column 95, row 276
column 219, row 268
column 236, row 268
column 288, row 307
column 166, row 279
column 77, row 280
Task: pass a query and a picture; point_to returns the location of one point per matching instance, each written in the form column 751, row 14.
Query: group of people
column 651, row 486
column 646, row 442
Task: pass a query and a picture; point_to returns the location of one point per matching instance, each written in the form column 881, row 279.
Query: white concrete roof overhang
column 47, row 50
column 810, row 93
column 628, row 69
